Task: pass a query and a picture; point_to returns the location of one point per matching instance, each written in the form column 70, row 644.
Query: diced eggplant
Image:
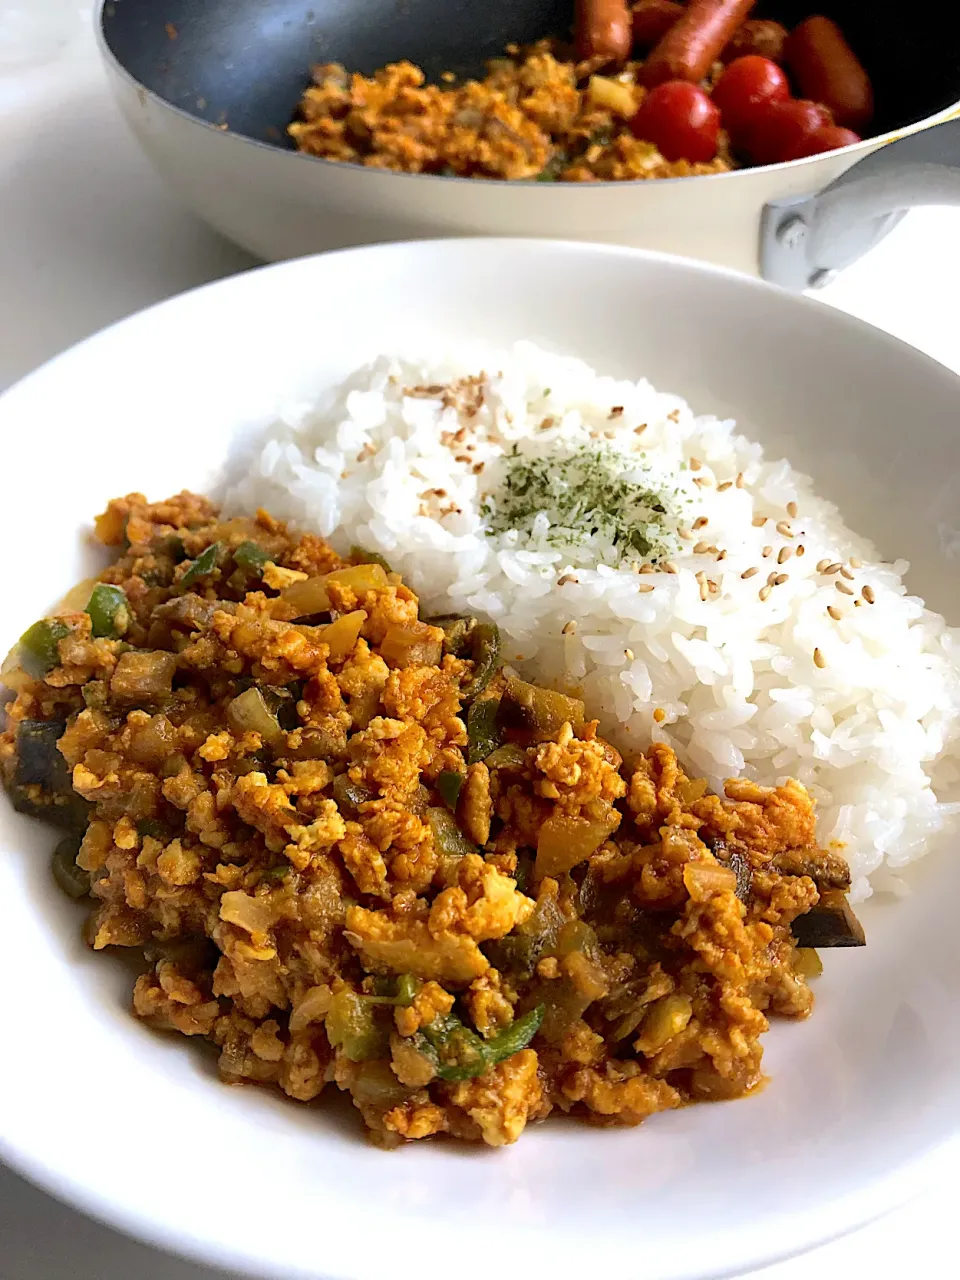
column 827, row 870
column 737, row 863
column 831, row 923
column 143, row 678
column 191, row 612
column 39, row 763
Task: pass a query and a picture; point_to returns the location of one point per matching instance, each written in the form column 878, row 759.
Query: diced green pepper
column 39, row 646
column 362, row 556
column 456, row 631
column 95, row 694
column 407, row 986
column 447, row 836
column 251, row 557
column 352, row 1027
column 449, row 784
column 173, row 546
column 524, row 870
column 276, row 874
column 482, row 731
column 109, row 611
column 204, row 564
column 151, row 827
column 397, row 992
column 485, row 656
column 74, row 881
column 458, row 1053
column 350, row 795
column 509, row 756
column 515, row 1037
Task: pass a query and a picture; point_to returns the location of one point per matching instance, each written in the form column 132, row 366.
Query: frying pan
column 209, row 87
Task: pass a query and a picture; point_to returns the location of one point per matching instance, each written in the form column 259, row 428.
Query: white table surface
column 87, row 236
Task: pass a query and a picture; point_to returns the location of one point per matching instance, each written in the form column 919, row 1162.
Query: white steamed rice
column 874, row 732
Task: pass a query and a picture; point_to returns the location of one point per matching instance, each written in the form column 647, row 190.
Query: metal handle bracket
column 805, row 239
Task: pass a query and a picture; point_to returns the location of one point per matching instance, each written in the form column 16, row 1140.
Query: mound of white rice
column 771, row 644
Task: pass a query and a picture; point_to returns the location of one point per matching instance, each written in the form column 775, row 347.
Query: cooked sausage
column 652, row 19
column 603, row 30
column 757, row 36
column 694, row 42
column 828, row 71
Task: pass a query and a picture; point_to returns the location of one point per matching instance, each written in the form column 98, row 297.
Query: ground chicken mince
column 356, row 852
column 532, row 116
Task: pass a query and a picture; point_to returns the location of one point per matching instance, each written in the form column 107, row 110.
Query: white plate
column 134, row 1128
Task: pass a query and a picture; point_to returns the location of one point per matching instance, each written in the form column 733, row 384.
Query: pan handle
column 805, row 239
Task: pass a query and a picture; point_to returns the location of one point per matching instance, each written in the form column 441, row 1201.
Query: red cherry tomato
column 743, row 86
column 828, row 138
column 776, row 128
column 680, row 120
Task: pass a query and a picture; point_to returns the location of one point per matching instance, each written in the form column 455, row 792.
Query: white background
column 87, row 236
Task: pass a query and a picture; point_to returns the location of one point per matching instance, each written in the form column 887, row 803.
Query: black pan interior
column 246, row 62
